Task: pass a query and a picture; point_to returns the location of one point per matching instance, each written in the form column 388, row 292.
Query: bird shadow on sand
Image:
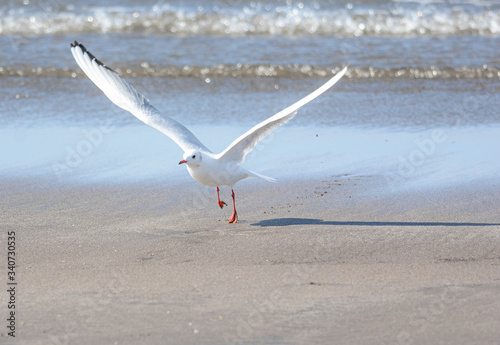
column 312, row 221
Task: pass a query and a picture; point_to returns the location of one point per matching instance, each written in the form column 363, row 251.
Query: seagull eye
column 193, row 156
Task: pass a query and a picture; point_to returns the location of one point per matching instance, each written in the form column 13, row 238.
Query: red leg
column 221, row 203
column 234, row 216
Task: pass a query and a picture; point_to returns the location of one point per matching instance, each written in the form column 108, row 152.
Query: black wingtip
column 91, row 56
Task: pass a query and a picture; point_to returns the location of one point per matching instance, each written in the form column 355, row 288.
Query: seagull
column 208, row 168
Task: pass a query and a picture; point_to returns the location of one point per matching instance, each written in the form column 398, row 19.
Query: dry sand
column 337, row 260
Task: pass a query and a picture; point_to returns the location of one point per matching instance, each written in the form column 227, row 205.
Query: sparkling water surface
column 221, row 67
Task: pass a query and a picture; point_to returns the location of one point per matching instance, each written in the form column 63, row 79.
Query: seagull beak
column 182, row 161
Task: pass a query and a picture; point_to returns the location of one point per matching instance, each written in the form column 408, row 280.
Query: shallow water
column 220, row 67
column 441, row 156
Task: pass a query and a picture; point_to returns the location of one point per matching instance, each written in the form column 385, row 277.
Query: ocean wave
column 255, row 18
column 144, row 70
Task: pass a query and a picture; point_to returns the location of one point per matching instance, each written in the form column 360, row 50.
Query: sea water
column 220, row 67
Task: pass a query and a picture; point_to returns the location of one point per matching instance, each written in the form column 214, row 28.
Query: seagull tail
column 267, row 178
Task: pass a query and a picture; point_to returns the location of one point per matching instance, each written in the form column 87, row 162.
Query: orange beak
column 182, row 161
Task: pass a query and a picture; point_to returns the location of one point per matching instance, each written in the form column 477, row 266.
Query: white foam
column 399, row 19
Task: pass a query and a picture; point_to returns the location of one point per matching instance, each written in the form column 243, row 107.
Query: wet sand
column 116, row 244
column 335, row 260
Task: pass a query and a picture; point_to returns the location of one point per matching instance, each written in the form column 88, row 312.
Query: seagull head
column 191, row 158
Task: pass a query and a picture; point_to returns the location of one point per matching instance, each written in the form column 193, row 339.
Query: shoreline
column 407, row 158
column 384, row 225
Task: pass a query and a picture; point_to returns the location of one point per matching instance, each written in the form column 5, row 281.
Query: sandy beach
column 334, row 260
column 383, row 228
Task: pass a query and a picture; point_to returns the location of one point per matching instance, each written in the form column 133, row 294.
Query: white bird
column 209, row 169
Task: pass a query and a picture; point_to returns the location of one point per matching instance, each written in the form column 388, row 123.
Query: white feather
column 239, row 148
column 127, row 97
column 214, row 169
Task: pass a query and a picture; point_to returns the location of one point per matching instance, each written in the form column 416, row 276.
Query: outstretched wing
column 127, row 97
column 237, row 151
